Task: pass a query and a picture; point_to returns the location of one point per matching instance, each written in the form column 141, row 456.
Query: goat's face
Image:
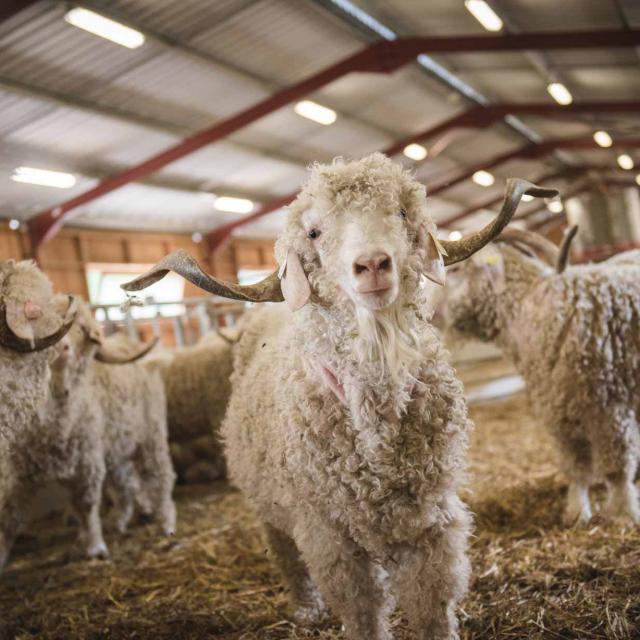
column 361, row 250
column 356, row 227
column 74, row 352
column 27, row 298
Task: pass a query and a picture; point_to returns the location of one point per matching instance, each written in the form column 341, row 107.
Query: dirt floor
column 532, row 577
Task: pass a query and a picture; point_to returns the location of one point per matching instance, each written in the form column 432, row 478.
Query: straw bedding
column 532, row 578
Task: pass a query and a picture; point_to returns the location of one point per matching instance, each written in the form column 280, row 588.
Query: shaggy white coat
column 24, row 379
column 198, row 386
column 574, row 339
column 95, row 421
column 347, row 428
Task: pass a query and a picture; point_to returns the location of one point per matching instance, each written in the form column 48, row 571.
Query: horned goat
column 97, row 421
column 573, row 336
column 347, row 428
column 30, row 323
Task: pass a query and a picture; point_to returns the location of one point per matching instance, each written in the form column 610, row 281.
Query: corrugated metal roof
column 207, row 60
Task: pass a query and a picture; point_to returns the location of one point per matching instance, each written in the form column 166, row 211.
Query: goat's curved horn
column 458, row 250
column 14, row 342
column 109, row 354
column 180, row 262
column 565, row 247
column 539, row 243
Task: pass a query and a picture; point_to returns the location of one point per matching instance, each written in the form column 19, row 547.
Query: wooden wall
column 64, row 258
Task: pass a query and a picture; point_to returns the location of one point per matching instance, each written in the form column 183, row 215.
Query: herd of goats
column 338, row 413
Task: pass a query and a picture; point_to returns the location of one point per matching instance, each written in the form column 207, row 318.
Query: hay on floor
column 532, row 577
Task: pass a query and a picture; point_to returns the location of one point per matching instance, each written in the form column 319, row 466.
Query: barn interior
column 133, row 128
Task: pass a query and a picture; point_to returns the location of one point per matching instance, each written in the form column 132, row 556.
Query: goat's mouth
column 376, row 298
column 381, row 288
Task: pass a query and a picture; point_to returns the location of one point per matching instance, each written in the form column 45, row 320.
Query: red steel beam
column 532, row 151
column 552, row 175
column 9, row 8
column 579, row 188
column 479, row 116
column 474, row 117
column 380, row 57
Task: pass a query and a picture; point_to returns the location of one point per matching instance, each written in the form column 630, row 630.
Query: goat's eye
column 313, row 234
column 403, row 214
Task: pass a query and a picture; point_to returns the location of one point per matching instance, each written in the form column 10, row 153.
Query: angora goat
column 97, row 420
column 30, row 322
column 198, row 386
column 347, row 428
column 573, row 336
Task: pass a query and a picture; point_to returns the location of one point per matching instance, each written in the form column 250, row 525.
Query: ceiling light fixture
column 14, row 224
column 415, row 152
column 455, row 235
column 527, row 198
column 316, row 112
column 602, row 139
column 625, row 161
column 560, row 93
column 555, row 206
column 104, row 27
column 43, row 177
column 483, row 178
column 233, row 205
column 484, row 14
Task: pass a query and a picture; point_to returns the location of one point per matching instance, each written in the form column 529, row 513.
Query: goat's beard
column 387, row 337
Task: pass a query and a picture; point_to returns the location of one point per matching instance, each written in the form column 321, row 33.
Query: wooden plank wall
column 64, row 258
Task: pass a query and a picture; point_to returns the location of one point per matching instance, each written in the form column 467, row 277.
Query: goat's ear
column 434, row 263
column 293, row 282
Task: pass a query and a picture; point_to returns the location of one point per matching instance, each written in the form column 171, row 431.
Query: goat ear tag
column 294, row 283
column 434, row 268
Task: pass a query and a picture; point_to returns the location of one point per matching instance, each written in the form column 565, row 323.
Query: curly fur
column 359, row 498
column 198, row 386
column 574, row 339
column 24, row 379
column 95, row 421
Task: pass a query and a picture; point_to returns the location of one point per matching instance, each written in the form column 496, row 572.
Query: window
column 104, row 282
column 251, row 276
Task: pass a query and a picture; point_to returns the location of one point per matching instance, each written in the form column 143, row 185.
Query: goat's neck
column 374, row 357
column 508, row 305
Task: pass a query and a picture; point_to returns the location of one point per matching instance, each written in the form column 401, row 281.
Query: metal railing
column 200, row 316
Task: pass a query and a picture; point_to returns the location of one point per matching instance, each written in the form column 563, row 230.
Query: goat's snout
column 32, row 311
column 375, row 264
column 373, row 272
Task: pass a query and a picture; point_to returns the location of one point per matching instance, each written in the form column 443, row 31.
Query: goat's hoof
column 309, row 615
column 98, row 551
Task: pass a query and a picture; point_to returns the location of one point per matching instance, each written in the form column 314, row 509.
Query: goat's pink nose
column 375, row 264
column 32, row 311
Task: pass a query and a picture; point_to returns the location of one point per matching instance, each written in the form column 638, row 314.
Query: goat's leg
column 9, row 525
column 127, row 487
column 430, row 578
column 307, row 603
column 616, row 447
column 345, row 577
column 576, row 455
column 86, row 497
column 158, row 477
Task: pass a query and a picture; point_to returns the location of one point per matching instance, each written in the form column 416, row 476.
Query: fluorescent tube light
column 104, row 27
column 484, row 14
column 316, row 112
column 44, row 177
column 233, row 205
